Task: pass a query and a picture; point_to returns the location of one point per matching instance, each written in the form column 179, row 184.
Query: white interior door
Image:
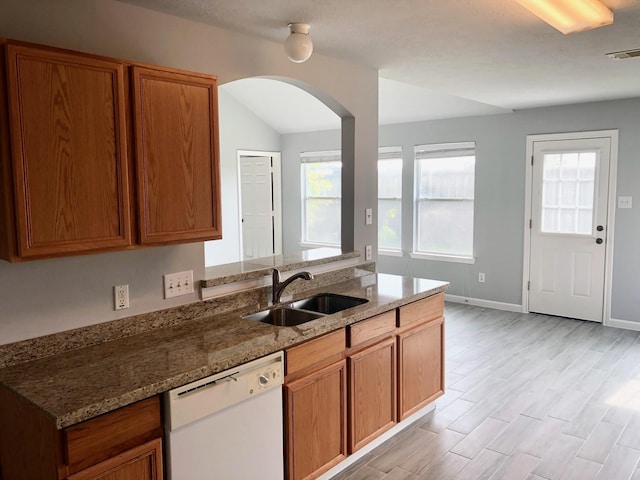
column 569, row 198
column 257, row 206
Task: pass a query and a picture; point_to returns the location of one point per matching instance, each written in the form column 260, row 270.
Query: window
column 390, row 199
column 321, row 197
column 445, row 177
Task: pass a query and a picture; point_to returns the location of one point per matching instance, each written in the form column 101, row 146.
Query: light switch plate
column 368, row 216
column 176, row 284
column 624, row 202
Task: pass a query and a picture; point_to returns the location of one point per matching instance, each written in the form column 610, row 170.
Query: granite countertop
column 80, row 384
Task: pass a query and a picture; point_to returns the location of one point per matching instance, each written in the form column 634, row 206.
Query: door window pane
column 568, row 194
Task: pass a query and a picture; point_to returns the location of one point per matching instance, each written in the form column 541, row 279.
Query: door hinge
column 529, row 285
column 532, row 160
column 530, row 224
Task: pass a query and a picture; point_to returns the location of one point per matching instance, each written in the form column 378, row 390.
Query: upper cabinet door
column 176, row 129
column 69, row 152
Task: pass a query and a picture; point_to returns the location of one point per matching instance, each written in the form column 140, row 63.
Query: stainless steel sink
column 328, row 303
column 284, row 316
column 307, row 309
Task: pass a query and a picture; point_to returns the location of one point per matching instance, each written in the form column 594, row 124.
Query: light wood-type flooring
column 529, row 397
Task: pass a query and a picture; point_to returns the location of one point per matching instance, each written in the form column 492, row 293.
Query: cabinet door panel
column 69, row 151
column 177, row 156
column 140, row 463
column 421, row 364
column 372, row 393
column 316, row 422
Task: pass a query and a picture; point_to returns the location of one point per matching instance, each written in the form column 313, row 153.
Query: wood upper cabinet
column 69, row 162
column 372, row 392
column 98, row 154
column 176, row 156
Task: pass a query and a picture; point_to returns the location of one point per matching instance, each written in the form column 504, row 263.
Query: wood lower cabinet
column 345, row 388
column 420, row 366
column 372, row 392
column 140, row 463
column 125, row 444
column 176, row 125
column 315, row 416
column 70, row 165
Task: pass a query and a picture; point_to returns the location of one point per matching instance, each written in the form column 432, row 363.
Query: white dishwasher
column 228, row 426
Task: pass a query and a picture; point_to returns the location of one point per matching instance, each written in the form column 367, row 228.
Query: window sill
column 390, row 253
column 318, row 245
column 443, row 258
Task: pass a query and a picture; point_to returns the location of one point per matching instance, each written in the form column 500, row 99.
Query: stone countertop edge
column 117, row 373
column 251, row 269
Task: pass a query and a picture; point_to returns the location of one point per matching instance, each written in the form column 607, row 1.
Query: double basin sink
column 307, row 309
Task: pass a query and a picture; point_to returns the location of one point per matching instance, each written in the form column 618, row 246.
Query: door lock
column 599, row 241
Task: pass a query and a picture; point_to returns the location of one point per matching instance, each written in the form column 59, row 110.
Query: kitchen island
column 78, row 384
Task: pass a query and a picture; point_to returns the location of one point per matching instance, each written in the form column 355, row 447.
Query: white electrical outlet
column 176, row 284
column 625, row 202
column 367, row 253
column 121, row 297
column 481, row 277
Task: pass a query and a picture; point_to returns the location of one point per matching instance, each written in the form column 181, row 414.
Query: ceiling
column 438, row 59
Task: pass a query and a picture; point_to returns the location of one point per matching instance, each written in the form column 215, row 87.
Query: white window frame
column 451, row 147
column 315, row 157
column 391, row 153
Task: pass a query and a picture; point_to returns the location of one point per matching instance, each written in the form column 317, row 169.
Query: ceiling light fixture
column 570, row 16
column 298, row 45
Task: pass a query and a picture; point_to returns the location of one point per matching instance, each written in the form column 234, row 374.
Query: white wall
column 240, row 129
column 499, row 197
column 51, row 295
column 499, row 202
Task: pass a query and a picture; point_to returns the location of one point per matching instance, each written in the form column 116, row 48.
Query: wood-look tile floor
column 529, row 397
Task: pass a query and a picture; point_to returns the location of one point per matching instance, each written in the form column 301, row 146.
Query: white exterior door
column 569, row 203
column 257, row 207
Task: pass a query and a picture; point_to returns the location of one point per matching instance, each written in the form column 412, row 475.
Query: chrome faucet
column 278, row 287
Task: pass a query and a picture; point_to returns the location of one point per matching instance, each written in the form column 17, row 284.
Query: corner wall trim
column 626, row 324
column 479, row 302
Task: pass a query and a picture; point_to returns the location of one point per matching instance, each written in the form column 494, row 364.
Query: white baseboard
column 626, row 324
column 479, row 302
column 351, row 459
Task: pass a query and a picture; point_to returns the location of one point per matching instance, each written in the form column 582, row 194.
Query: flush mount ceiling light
column 298, row 45
column 570, row 16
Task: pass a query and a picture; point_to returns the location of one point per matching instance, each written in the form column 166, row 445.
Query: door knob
column 599, row 228
column 599, row 241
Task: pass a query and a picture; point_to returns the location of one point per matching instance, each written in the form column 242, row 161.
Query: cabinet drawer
column 318, row 351
column 374, row 327
column 108, row 435
column 421, row 311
